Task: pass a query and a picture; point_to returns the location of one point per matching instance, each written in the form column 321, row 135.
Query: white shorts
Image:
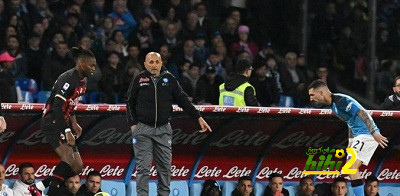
column 365, row 146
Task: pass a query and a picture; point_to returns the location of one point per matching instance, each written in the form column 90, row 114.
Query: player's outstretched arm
column 382, row 140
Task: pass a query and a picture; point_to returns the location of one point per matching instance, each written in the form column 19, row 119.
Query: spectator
column 170, row 37
column 304, row 68
column 211, row 188
column 191, row 27
column 228, row 32
column 111, row 81
column 204, row 23
column 384, row 78
column 122, row 17
column 237, row 91
column 189, row 80
column 275, row 186
column 145, row 35
column 226, row 60
column 105, row 30
column 8, row 92
column 265, row 86
column 339, row 187
column 187, row 55
column 392, row 102
column 57, row 63
column 207, row 89
column 201, row 50
column 273, row 71
column 323, row 74
column 306, row 186
column 292, row 80
column 14, row 48
column 133, row 59
column 92, row 184
column 171, row 17
column 120, row 43
column 146, row 9
column 371, row 187
column 244, row 187
column 244, row 42
column 214, row 59
column 35, row 58
column 26, row 173
column 4, row 189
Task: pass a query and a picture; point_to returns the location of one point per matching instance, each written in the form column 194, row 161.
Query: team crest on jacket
column 165, row 82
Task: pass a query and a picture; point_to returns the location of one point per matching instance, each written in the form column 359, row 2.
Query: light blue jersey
column 346, row 108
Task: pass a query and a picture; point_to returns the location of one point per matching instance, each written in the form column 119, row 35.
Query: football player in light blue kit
column 364, row 135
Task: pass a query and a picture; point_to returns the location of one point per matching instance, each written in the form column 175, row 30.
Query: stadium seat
column 195, row 189
column 389, row 191
column 9, row 182
column 27, row 84
column 292, row 189
column 286, row 101
column 259, row 189
column 26, row 97
column 179, row 188
column 131, row 190
column 94, row 97
column 228, row 188
column 113, row 188
column 42, row 96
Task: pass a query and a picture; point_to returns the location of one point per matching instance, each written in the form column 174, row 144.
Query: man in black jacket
column 392, row 102
column 149, row 108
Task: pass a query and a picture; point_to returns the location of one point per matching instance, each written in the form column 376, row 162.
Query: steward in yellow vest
column 237, row 91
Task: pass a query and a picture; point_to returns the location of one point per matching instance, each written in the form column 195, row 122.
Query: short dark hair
column 242, row 65
column 317, row 84
column 304, row 178
column 93, row 173
column 371, row 179
column 79, row 53
column 23, row 166
column 244, row 178
column 274, row 175
column 338, row 179
column 395, row 79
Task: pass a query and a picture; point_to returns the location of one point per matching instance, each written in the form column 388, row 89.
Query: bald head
column 153, row 63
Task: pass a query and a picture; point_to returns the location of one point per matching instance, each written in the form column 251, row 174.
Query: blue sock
column 358, row 187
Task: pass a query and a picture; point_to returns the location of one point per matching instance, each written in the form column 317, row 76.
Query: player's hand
column 382, row 140
column 204, row 126
column 133, row 127
column 70, row 137
column 77, row 129
column 3, row 124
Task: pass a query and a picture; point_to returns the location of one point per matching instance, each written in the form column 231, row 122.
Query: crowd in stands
column 200, row 42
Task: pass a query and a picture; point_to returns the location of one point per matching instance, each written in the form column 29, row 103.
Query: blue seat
column 10, row 182
column 131, row 190
column 42, row 96
column 286, row 101
column 179, row 188
column 259, row 189
column 113, row 188
column 26, row 96
column 389, row 191
column 27, row 84
column 94, row 97
column 195, row 189
column 228, row 188
column 292, row 189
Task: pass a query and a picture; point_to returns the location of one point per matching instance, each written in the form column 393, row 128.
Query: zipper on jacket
column 155, row 99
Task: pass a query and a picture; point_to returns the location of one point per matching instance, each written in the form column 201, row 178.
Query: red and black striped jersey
column 69, row 87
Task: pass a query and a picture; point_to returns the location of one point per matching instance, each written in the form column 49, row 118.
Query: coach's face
column 153, row 63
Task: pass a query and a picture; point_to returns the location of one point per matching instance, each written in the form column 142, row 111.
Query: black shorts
column 53, row 136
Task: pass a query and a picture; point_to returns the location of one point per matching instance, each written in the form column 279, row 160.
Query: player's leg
column 143, row 149
column 70, row 165
column 365, row 146
column 163, row 158
column 356, row 182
